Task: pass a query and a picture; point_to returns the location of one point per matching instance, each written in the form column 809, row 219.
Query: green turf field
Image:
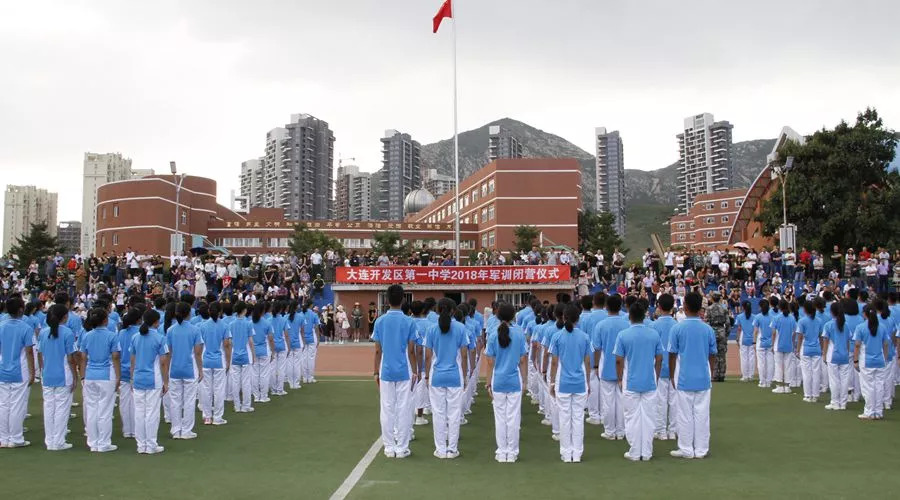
column 304, row 445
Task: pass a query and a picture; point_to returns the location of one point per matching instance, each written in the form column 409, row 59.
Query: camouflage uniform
column 717, row 317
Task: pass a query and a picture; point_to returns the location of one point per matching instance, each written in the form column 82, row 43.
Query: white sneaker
column 831, row 407
column 680, row 454
column 452, row 454
column 153, row 451
column 18, row 445
column 468, row 412
column 777, row 390
column 500, row 458
column 426, row 411
column 592, row 421
column 64, row 446
column 421, row 421
column 633, row 459
column 440, row 455
column 673, row 436
column 402, row 454
column 576, row 460
column 390, row 454
column 555, row 437
column 661, row 436
column 463, row 422
column 249, row 410
column 108, row 448
column 609, row 437
column 219, row 422
column 546, row 421
column 188, row 435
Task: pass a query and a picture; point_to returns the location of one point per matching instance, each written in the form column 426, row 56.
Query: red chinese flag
column 446, row 10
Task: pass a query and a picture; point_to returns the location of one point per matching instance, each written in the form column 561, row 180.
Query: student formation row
column 568, row 357
column 167, row 355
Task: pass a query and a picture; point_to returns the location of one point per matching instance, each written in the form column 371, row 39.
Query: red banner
column 466, row 275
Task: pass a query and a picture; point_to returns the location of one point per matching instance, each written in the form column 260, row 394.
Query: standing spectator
column 356, row 321
column 372, row 316
column 315, row 260
column 836, row 258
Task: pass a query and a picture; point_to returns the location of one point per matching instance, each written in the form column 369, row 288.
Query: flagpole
column 455, row 143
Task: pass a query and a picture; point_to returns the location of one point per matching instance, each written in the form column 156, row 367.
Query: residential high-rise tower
column 704, row 165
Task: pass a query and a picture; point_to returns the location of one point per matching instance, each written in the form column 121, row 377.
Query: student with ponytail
column 16, row 377
column 552, row 330
column 872, row 340
column 149, row 379
column 852, row 310
column 242, row 355
column 281, row 340
column 746, row 340
column 185, row 345
column 603, row 339
column 836, row 339
column 263, row 346
column 506, row 360
column 765, row 356
column 56, row 357
column 783, row 327
column 809, row 349
column 446, row 360
column 885, row 319
column 294, row 362
column 216, row 363
column 102, row 374
column 310, row 344
column 571, row 364
column 131, row 323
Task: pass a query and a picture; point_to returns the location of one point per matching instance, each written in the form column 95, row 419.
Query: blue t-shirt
column 75, row 324
column 871, row 354
column 181, row 339
column 294, row 327
column 524, row 315
column 663, row 326
column 125, row 337
column 571, row 348
column 639, row 345
column 446, row 370
column 784, row 328
column 279, row 325
column 114, row 321
column 55, row 351
column 15, row 336
column 694, row 342
column 214, row 334
column 393, row 331
column 764, row 323
column 891, row 327
column 603, row 339
column 99, row 345
column 838, row 343
column 506, row 360
column 262, row 331
column 809, row 328
column 240, row 339
column 146, row 350
column 309, row 327
column 586, row 324
column 746, row 325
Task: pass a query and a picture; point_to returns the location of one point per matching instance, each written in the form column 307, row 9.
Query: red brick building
column 709, row 222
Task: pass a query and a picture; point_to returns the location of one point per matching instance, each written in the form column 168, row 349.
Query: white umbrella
column 742, row 245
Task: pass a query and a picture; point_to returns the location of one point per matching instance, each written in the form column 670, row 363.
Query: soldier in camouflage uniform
column 718, row 317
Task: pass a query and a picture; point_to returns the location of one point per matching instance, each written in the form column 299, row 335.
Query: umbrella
column 199, row 251
column 742, row 245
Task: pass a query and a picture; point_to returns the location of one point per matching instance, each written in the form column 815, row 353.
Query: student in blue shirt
column 472, row 338
column 692, row 357
column 131, row 323
column 101, row 368
column 281, row 340
column 852, row 312
column 295, row 345
column 310, row 343
column 420, row 391
column 872, row 340
column 638, row 353
column 534, row 371
column 16, row 374
column 885, row 319
column 603, row 339
column 263, row 346
column 552, row 329
column 836, row 337
column 571, row 364
column 506, row 369
column 216, row 363
column 185, row 371
column 242, row 355
column 586, row 323
column 446, row 360
column 56, row 358
column 784, row 325
column 665, row 393
column 149, row 379
column 746, row 341
column 395, row 359
column 810, row 351
column 762, row 333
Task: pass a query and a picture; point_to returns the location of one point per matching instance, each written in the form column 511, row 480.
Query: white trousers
column 240, row 386
column 783, row 367
column 553, row 409
column 871, row 381
column 446, row 410
column 667, row 407
column 184, row 397
column 823, row 375
column 795, row 379
column 308, row 370
column 146, row 417
column 838, row 380
column 809, row 368
column 57, row 407
column 507, row 422
column 126, row 408
column 571, row 424
column 420, row 394
column 613, row 413
column 765, row 364
column 887, row 394
column 854, row 388
column 395, row 415
column 228, row 390
column 212, row 393
column 593, row 400
column 13, row 407
column 294, row 368
column 278, row 371
column 99, row 400
column 641, row 415
column 259, row 382
column 748, row 361
column 693, row 422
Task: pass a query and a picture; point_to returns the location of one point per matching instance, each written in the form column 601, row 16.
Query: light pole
column 177, row 243
column 787, row 233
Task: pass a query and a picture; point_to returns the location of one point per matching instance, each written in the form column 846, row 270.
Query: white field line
column 357, row 472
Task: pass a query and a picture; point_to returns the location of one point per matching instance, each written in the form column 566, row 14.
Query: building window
column 484, row 240
column 692, row 225
column 103, row 240
column 516, row 299
column 115, row 210
column 475, row 218
column 103, row 212
column 726, row 232
column 491, row 212
column 680, row 237
column 709, row 220
column 710, row 234
column 115, row 239
column 681, row 226
column 483, row 190
column 491, row 186
column 724, row 218
column 484, row 214
column 724, row 204
column 491, row 239
column 183, row 217
column 710, row 206
column 474, row 196
column 738, row 203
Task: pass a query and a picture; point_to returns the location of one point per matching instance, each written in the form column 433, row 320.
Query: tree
column 390, row 243
column 596, row 231
column 304, row 241
column 839, row 191
column 525, row 236
column 37, row 245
